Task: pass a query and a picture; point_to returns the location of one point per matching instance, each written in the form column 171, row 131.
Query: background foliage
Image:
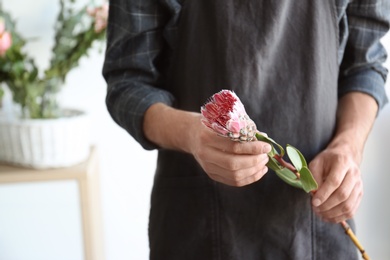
column 35, row 91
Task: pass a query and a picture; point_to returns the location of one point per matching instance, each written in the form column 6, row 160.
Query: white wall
column 127, row 170
column 373, row 218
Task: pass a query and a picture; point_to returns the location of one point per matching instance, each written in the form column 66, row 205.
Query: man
column 309, row 73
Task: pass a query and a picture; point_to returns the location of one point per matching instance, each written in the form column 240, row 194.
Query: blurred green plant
column 75, row 32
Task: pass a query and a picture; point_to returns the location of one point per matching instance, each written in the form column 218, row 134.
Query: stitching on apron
column 333, row 8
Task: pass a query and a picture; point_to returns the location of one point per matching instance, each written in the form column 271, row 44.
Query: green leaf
column 289, row 177
column 269, row 140
column 273, row 164
column 307, row 179
column 296, row 157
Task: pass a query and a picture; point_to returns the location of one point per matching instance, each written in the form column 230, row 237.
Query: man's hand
column 340, row 185
column 232, row 163
column 225, row 161
column 336, row 169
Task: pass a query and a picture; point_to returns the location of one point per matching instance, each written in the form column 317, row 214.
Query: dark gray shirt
column 141, row 32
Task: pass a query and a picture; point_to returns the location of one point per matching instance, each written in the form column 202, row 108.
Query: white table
column 80, row 182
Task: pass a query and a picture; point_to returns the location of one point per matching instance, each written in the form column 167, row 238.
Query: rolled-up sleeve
column 135, row 44
column 362, row 65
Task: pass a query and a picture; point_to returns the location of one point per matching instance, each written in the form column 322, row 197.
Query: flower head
column 5, row 38
column 225, row 114
column 100, row 14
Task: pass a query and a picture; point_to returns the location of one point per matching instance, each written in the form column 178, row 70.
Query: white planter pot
column 45, row 143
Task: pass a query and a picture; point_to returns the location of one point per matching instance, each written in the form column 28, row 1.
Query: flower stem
column 352, row 236
column 354, row 239
column 287, row 165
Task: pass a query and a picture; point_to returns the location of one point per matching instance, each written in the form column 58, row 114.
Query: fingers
column 209, row 138
column 240, row 182
column 345, row 210
column 332, row 182
column 236, row 170
column 316, row 167
column 232, row 163
column 341, row 194
column 341, row 189
column 240, row 148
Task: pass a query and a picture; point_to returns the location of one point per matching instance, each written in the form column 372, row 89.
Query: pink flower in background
column 225, row 114
column 101, row 15
column 5, row 38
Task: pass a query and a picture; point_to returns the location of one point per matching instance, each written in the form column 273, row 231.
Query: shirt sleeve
column 362, row 65
column 133, row 59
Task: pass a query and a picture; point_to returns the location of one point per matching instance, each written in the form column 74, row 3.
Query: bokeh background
column 126, row 170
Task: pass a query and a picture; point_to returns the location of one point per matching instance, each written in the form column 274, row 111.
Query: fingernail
column 267, row 148
column 316, row 202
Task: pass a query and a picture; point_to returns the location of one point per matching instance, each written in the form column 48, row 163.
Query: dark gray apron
column 280, row 57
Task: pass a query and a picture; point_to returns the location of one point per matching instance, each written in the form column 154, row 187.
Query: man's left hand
column 340, row 184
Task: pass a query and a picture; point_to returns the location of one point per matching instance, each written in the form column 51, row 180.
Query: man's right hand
column 232, row 163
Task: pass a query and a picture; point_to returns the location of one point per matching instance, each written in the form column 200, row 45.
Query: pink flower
column 5, row 38
column 225, row 114
column 101, row 16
